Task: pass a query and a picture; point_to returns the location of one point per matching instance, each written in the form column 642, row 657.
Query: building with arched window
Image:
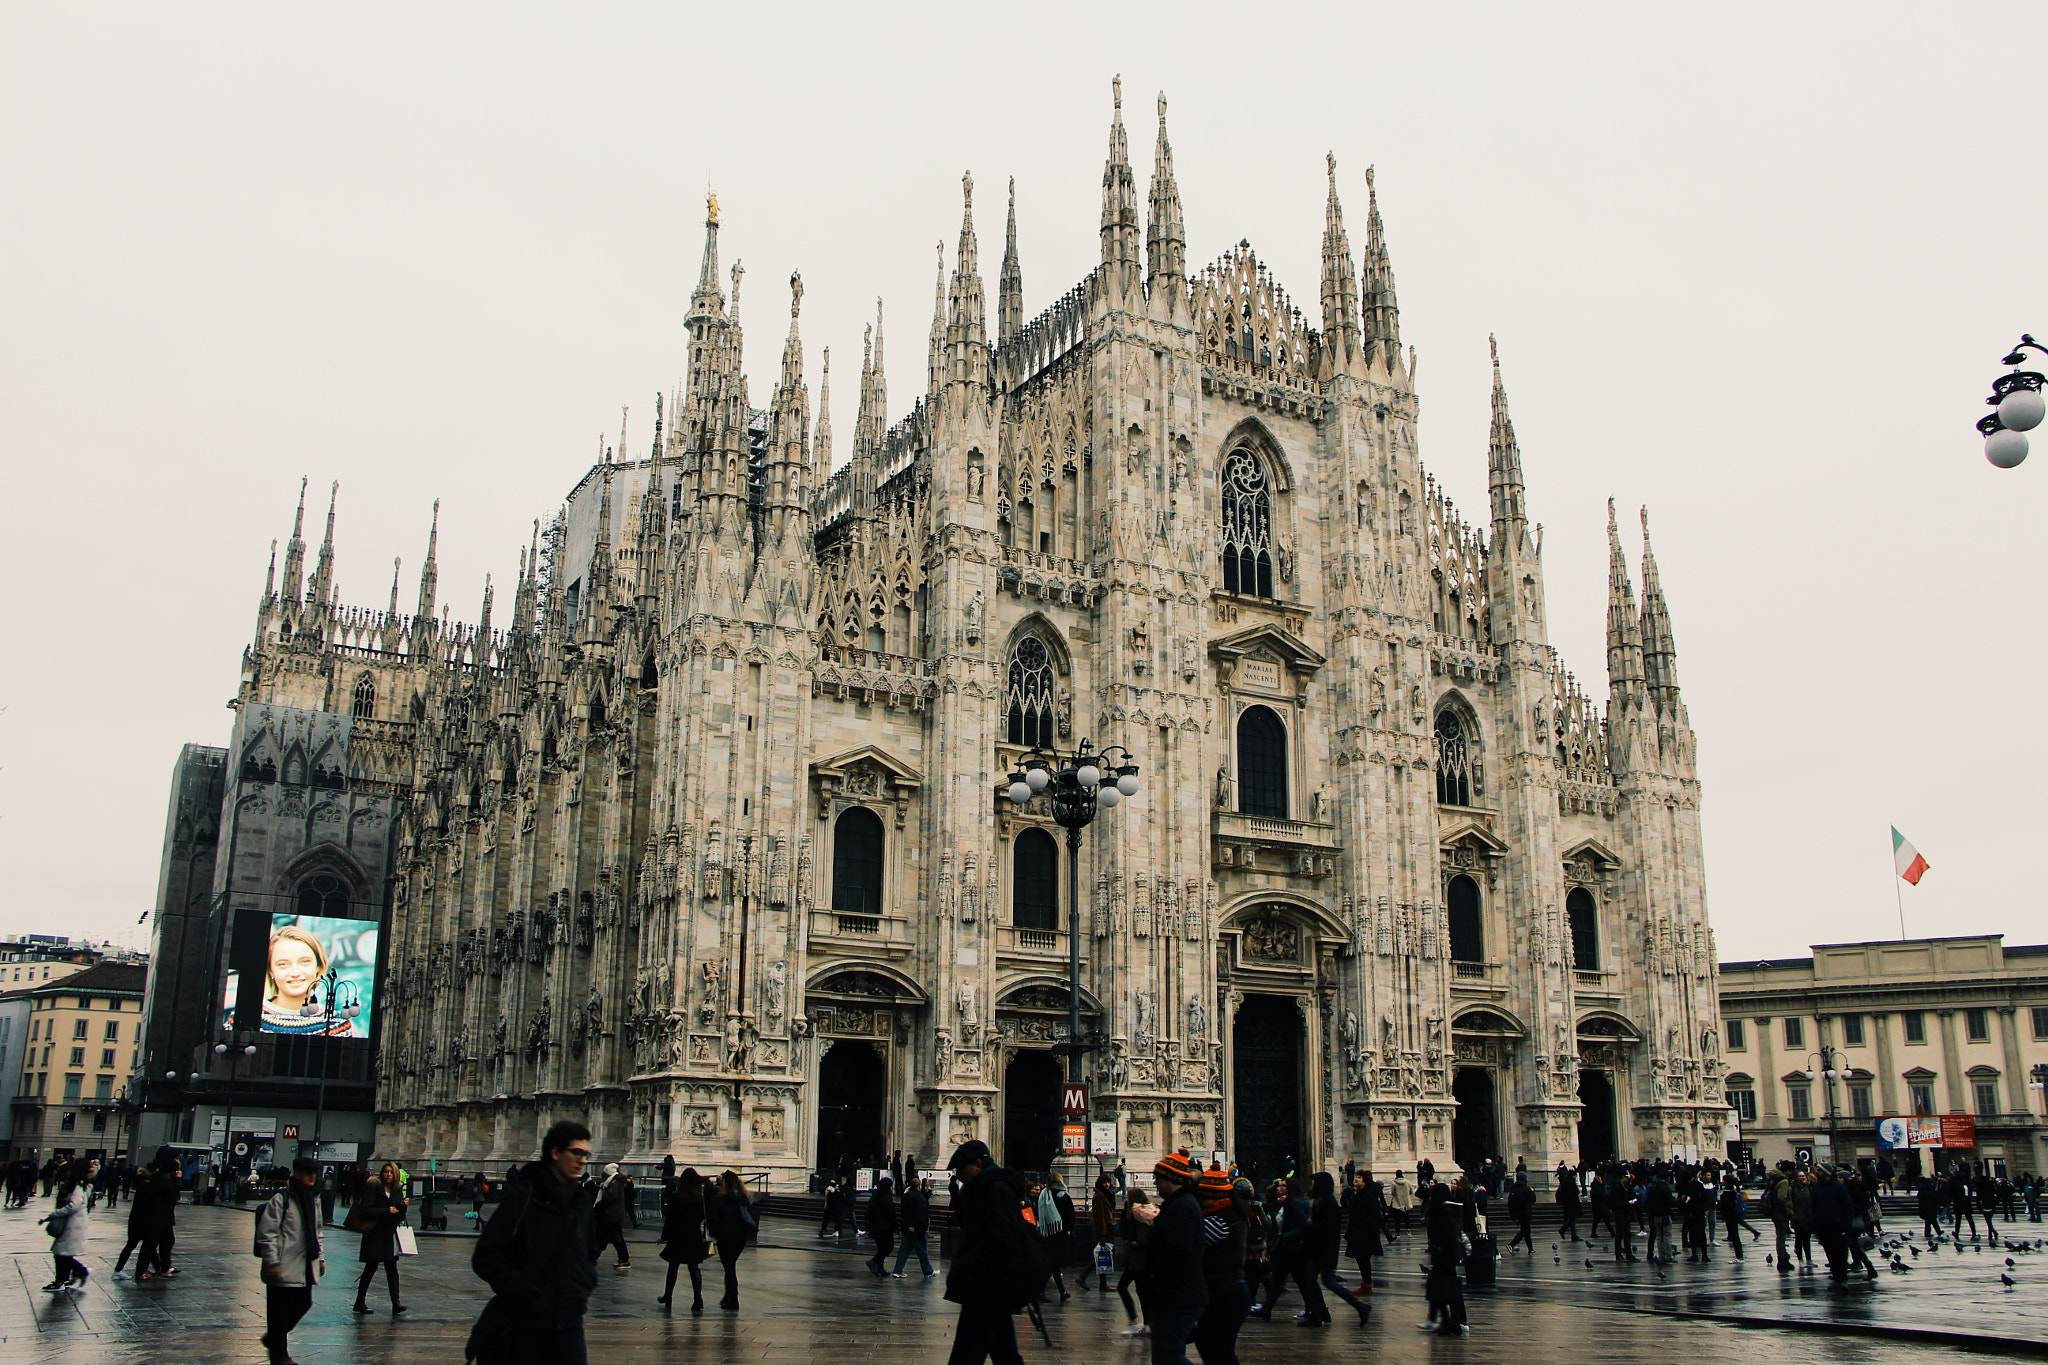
column 701, row 831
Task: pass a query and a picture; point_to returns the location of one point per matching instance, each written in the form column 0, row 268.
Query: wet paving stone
column 804, row 1301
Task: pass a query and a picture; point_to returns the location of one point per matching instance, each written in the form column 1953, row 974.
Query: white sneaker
column 1141, row 1330
column 122, row 1275
column 1425, row 1327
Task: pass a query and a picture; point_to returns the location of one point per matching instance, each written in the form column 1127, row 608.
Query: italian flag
column 1907, row 859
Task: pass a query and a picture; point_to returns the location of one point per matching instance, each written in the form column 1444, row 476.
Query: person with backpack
column 288, row 1244
column 534, row 1254
column 1522, row 1208
column 1291, row 1222
column 1226, row 1222
column 682, row 1235
column 1000, row 1264
column 915, row 1212
column 1055, row 1213
column 70, row 1223
column 882, row 1222
column 732, row 1222
column 377, row 1216
column 1443, row 1226
column 614, row 1199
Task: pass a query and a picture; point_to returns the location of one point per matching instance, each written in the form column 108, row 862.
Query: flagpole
column 1897, row 894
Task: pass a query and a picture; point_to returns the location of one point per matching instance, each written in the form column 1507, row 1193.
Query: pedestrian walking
column 1522, row 1208
column 1055, row 1212
column 999, row 1266
column 731, row 1220
column 534, row 1255
column 882, row 1221
column 914, row 1212
column 1101, row 1227
column 1289, row 1258
column 377, row 1216
column 1364, row 1218
column 614, row 1196
column 1443, row 1227
column 1834, row 1210
column 1731, row 1209
column 1175, row 1288
column 1621, row 1209
column 479, row 1189
column 1960, row 1205
column 69, row 1223
column 682, row 1235
column 1568, row 1205
column 138, row 1227
column 288, row 1244
column 1226, row 1226
column 1400, row 1199
column 1322, row 1247
column 1134, row 1225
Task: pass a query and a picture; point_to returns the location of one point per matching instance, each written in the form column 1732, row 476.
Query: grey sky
column 1752, row 265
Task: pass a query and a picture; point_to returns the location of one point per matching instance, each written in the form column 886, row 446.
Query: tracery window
column 1247, row 526
column 323, row 894
column 1584, row 916
column 1453, row 761
column 365, row 703
column 1031, row 693
column 857, row 863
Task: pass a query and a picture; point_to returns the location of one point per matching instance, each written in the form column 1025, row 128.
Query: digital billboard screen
column 310, row 957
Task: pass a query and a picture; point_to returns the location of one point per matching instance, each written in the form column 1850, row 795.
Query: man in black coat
column 988, row 1210
column 1172, row 1285
column 535, row 1254
column 882, row 1223
column 915, row 1211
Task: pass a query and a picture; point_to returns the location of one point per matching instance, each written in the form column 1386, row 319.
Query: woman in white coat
column 74, row 1223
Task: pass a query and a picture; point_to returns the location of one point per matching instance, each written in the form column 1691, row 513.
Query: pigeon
column 1589, row 1263
column 1553, row 1246
column 2009, row 1263
column 1915, row 1251
column 2006, row 1280
column 1559, row 1260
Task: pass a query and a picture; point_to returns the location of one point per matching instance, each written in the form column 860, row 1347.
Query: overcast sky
column 1752, row 265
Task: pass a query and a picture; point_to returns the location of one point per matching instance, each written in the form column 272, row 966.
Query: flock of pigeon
column 1894, row 1249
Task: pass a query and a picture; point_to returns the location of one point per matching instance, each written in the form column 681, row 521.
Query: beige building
column 83, row 1031
column 1954, row 1027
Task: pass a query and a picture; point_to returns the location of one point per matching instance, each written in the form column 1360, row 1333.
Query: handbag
column 407, row 1242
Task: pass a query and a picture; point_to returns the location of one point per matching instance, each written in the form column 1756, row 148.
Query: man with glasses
column 535, row 1254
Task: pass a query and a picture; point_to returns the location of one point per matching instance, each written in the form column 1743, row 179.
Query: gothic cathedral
column 710, row 843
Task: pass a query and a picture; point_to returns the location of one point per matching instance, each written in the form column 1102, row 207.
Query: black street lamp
column 2018, row 408
column 1828, row 1068
column 227, row 1127
column 1078, row 785
column 327, row 1010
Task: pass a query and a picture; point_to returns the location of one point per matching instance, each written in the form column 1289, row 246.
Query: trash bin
column 433, row 1212
column 1483, row 1264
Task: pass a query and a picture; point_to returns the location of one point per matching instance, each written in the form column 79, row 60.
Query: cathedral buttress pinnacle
column 1010, row 304
column 1341, row 340
column 1119, row 207
column 1166, row 251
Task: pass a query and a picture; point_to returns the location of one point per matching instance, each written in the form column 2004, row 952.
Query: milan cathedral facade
column 709, row 842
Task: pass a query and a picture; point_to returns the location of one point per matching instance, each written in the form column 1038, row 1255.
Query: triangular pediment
column 1472, row 834
column 898, row 771
column 1290, row 649
column 1594, row 849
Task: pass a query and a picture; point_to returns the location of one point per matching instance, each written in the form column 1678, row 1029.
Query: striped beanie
column 1176, row 1166
column 1214, row 1184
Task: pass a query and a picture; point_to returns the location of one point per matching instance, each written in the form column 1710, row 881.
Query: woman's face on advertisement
column 294, row 966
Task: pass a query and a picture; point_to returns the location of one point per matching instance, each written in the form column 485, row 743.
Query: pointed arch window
column 323, row 895
column 1247, row 526
column 1453, row 761
column 1468, row 930
column 1031, row 693
column 1262, row 764
column 1035, row 897
column 1584, row 917
column 857, row 863
column 364, row 705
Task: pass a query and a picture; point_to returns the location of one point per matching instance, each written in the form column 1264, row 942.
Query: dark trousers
column 1123, row 1291
column 1599, row 1217
column 1171, row 1332
column 885, row 1242
column 283, row 1306
column 1446, row 1293
column 550, row 1346
column 370, row 1269
column 984, row 1333
column 1216, row 1330
column 134, row 1241
column 69, row 1270
column 1327, row 1279
column 327, row 1206
column 1524, row 1234
column 913, row 1240
column 1734, row 1235
column 696, row 1282
column 612, row 1235
column 729, row 1257
column 1836, row 1246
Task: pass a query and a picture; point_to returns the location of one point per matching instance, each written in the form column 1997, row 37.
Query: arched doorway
column 1031, row 1111
column 1596, row 1116
column 1265, row 1079
column 850, row 1089
column 1472, row 1132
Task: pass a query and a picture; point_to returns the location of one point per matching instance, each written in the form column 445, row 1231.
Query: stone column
column 1887, row 1070
column 1766, row 1070
column 2015, row 1068
column 1951, row 1064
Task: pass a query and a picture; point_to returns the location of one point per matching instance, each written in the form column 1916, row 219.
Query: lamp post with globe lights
column 228, row 1048
column 2017, row 408
column 1827, row 1065
column 328, row 1009
column 1078, row 785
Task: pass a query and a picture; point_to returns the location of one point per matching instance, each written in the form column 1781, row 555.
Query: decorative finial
column 1162, row 106
column 1013, row 191
column 1116, row 90
column 1369, row 193
column 1493, row 347
column 1646, row 525
column 1330, row 162
column 796, row 291
column 967, row 187
column 710, row 207
column 738, row 270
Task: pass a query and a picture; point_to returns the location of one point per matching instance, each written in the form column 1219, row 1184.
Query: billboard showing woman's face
column 316, row 968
